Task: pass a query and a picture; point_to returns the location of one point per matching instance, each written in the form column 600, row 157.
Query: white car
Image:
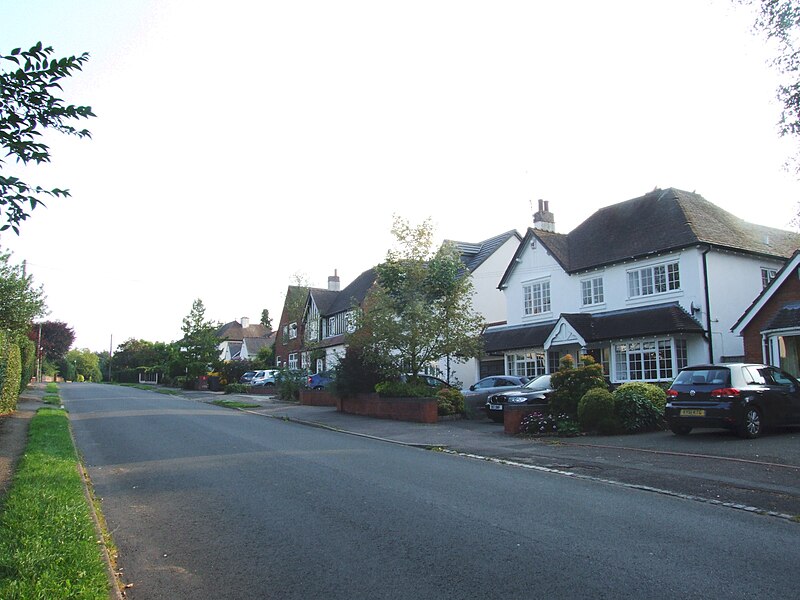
column 263, row 377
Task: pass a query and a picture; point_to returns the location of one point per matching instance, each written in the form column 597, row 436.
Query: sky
column 241, row 146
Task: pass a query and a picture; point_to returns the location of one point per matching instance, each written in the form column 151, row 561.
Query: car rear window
column 704, row 377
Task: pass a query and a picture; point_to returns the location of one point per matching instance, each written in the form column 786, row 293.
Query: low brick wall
column 514, row 413
column 317, row 398
column 418, row 410
column 261, row 390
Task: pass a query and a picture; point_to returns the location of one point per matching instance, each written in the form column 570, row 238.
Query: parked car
column 533, row 392
column 742, row 397
column 247, row 377
column 264, row 378
column 321, row 380
column 481, row 390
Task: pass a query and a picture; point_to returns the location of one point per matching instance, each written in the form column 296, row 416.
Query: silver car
column 479, row 392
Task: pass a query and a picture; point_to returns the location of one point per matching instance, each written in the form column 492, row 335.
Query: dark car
column 533, row 392
column 742, row 397
column 247, row 377
column 321, row 380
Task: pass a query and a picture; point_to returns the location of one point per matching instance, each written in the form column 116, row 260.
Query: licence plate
column 495, row 407
column 693, row 412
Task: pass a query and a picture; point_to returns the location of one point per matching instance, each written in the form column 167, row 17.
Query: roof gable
column 473, row 255
column 789, row 269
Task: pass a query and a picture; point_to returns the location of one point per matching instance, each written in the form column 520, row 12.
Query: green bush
column 354, row 374
column 609, row 426
column 570, row 383
column 450, row 401
column 235, row 388
column 288, row 383
column 639, row 407
column 597, row 404
column 404, row 389
column 651, row 391
column 10, row 374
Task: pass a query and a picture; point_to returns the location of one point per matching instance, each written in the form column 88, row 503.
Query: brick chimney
column 543, row 218
column 245, row 322
column 333, row 282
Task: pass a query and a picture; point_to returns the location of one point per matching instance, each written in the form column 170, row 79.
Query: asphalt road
column 205, row 502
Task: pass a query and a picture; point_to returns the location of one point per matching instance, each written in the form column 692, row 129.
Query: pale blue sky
column 238, row 143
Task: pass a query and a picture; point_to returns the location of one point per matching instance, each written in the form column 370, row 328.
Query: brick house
column 770, row 327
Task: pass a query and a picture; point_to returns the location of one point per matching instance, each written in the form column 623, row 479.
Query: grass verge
column 48, row 542
column 234, row 404
column 152, row 388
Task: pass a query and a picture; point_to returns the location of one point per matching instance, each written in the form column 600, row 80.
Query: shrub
column 597, row 404
column 450, row 401
column 355, row 374
column 653, row 392
column 570, row 383
column 288, row 383
column 639, row 407
column 10, row 377
column 235, row 388
column 608, row 426
column 540, row 424
column 404, row 389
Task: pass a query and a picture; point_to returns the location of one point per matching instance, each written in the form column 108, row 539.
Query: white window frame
column 592, row 291
column 292, row 331
column 293, row 360
column 531, row 363
column 767, row 275
column 536, row 298
column 654, row 280
column 648, row 360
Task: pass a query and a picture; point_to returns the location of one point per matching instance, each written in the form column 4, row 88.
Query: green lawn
column 49, row 548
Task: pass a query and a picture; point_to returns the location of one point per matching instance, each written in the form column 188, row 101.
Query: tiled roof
column 787, row 317
column 516, row 337
column 635, row 322
column 255, row 344
column 660, row 221
column 780, row 277
column 473, row 255
column 355, row 292
column 631, row 323
column 235, row 331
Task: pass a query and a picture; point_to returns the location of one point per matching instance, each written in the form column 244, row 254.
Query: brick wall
column 788, row 292
column 418, row 410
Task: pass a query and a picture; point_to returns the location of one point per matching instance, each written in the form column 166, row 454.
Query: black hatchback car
column 737, row 396
column 533, row 392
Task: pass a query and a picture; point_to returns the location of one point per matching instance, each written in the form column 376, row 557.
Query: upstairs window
column 536, row 298
column 293, row 331
column 767, row 275
column 592, row 291
column 657, row 279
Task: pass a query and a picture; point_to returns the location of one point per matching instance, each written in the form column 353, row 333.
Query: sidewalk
column 14, row 433
column 715, row 466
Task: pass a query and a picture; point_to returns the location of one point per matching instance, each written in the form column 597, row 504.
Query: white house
column 645, row 286
column 484, row 262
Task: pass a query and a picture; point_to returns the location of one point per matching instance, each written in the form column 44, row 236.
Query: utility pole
column 110, row 346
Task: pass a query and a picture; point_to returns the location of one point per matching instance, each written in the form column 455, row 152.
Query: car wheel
column 752, row 423
column 680, row 429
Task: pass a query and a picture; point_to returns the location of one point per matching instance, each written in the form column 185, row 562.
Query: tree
column 200, row 344
column 55, row 338
column 420, row 309
column 134, row 356
column 20, row 301
column 83, row 365
column 266, row 321
column 28, row 106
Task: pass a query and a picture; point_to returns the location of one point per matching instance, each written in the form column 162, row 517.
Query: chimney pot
column 245, row 322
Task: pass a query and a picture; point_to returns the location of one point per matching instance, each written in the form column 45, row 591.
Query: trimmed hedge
column 596, row 406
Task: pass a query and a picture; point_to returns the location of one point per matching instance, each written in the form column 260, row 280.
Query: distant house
column 289, row 335
column 770, row 327
column 328, row 317
column 233, row 334
column 646, row 286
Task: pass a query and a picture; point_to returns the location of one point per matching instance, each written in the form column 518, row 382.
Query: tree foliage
column 20, row 301
column 199, row 347
column 28, row 105
column 266, row 320
column 420, row 309
column 83, row 365
column 56, row 338
column 134, row 356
